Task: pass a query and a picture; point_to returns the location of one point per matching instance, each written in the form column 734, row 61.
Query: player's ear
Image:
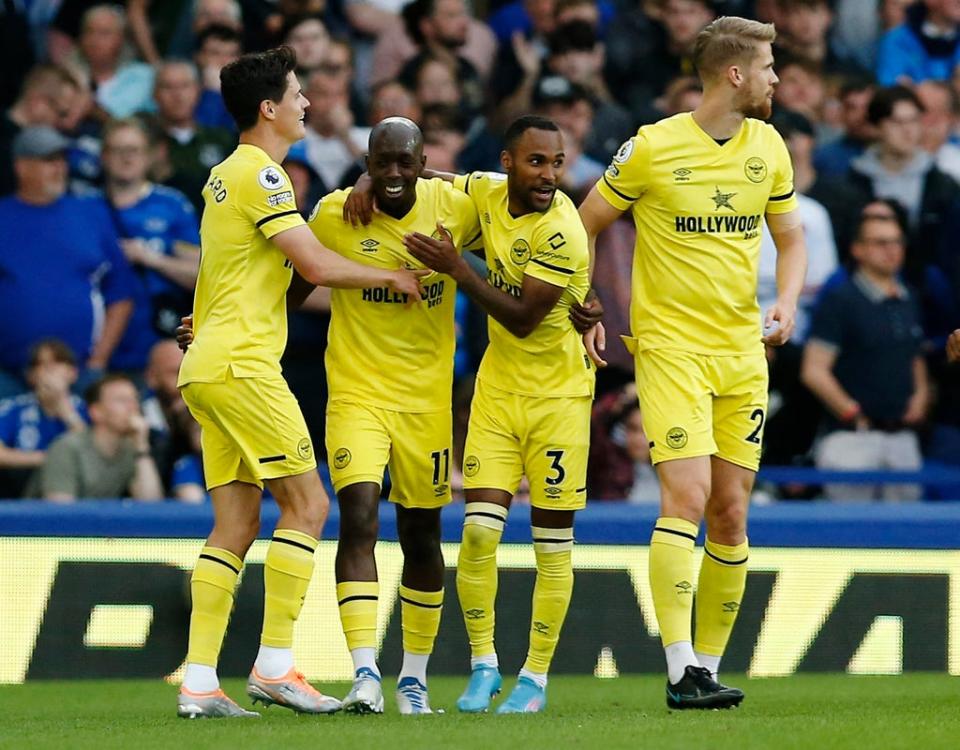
column 267, row 109
column 735, row 75
column 506, row 160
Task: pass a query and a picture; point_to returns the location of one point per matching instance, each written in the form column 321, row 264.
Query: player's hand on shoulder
column 953, row 347
column 185, row 332
column 360, row 206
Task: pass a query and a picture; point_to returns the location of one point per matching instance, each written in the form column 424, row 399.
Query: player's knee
column 358, row 532
column 236, row 535
column 726, row 520
column 684, row 499
column 419, row 535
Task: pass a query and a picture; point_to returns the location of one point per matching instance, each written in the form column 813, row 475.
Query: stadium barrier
column 101, row 589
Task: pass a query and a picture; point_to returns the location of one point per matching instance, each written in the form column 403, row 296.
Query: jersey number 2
column 757, row 416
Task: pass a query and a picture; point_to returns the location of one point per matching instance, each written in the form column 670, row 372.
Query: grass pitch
column 811, row 711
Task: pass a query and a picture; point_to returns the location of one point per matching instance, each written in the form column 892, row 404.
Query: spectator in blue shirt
column 159, row 235
column 926, row 46
column 62, row 272
column 217, row 45
column 31, row 421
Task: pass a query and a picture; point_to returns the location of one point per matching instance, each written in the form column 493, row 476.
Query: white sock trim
column 539, row 679
column 415, row 665
column 365, row 658
column 488, row 660
column 273, row 663
column 710, row 662
column 679, row 656
column 200, row 678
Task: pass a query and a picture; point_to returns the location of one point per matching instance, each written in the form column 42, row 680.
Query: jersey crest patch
column 755, row 169
column 270, row 178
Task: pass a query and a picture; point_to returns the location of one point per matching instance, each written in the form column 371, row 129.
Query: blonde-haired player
column 699, row 186
column 252, row 238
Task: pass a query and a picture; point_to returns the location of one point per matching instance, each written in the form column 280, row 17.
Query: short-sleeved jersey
column 380, row 351
column 551, row 247
column 239, row 309
column 698, row 207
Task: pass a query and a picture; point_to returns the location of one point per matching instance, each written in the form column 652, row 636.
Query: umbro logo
column 731, row 606
column 486, row 217
column 541, row 627
column 369, row 245
column 682, row 174
column 684, row 587
column 474, row 614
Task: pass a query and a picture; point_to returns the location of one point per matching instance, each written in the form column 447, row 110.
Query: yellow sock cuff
column 551, row 540
column 677, row 532
column 420, row 613
column 358, row 602
column 218, row 567
column 727, row 555
column 428, row 599
column 488, row 515
column 296, row 538
column 291, row 552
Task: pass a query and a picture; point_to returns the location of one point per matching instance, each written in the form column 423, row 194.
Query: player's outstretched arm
column 787, row 232
column 519, row 315
column 323, row 267
column 953, row 347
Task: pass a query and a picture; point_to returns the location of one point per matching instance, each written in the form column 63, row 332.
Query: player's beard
column 759, row 109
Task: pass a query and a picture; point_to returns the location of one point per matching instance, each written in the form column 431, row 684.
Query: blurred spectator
column 308, row 188
column 941, row 105
column 111, row 459
column 216, row 47
column 896, row 167
column 159, row 235
column 619, row 465
column 46, row 98
column 308, row 38
column 833, row 159
column 62, row 272
column 792, row 427
column 859, row 24
column 333, row 144
column 801, row 87
column 154, row 24
column 925, row 46
column 444, row 136
column 803, row 31
column 683, row 94
column 434, row 80
column 662, row 51
column 31, row 421
column 611, row 279
column 438, row 28
column 191, row 149
column 338, row 63
column 869, row 324
column 186, row 482
column 120, row 86
column 391, row 99
column 167, row 416
column 16, row 50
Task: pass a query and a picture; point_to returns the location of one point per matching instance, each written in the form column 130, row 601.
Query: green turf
column 811, row 711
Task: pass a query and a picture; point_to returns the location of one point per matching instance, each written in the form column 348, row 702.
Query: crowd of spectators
column 112, row 117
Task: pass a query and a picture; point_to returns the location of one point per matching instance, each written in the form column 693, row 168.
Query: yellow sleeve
column 266, row 198
column 782, row 198
column 326, row 219
column 628, row 175
column 468, row 236
column 559, row 250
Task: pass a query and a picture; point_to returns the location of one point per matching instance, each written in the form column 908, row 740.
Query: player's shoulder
column 329, row 204
column 563, row 218
column 669, row 128
column 482, row 183
column 759, row 130
column 444, row 194
column 251, row 163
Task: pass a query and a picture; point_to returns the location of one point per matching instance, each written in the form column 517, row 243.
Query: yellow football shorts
column 251, row 429
column 363, row 440
column 700, row 405
column 548, row 439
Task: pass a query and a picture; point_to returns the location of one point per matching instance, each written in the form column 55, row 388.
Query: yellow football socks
column 551, row 594
column 287, row 571
column 420, row 617
column 211, row 589
column 358, row 602
column 723, row 576
column 671, row 571
column 477, row 573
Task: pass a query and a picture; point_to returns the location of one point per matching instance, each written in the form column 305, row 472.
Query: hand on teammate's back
column 185, row 332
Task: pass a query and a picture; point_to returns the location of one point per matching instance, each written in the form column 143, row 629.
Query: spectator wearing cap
column 62, row 272
column 863, row 362
column 444, row 26
column 926, row 46
column 33, row 420
column 645, row 55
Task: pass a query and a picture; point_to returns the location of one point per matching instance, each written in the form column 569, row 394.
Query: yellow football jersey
column 380, row 351
column 699, row 209
column 551, row 247
column 239, row 308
